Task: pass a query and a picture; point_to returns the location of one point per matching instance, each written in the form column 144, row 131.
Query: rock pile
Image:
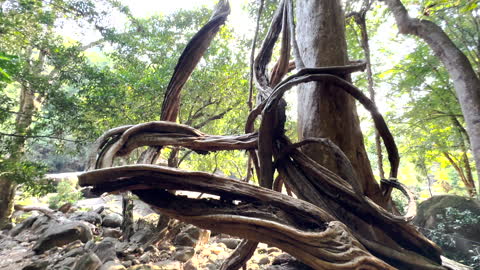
column 92, row 240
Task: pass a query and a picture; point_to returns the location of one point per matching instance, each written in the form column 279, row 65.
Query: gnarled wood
column 290, row 224
column 332, row 225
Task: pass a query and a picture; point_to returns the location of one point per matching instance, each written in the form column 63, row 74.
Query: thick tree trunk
column 465, row 80
column 327, row 111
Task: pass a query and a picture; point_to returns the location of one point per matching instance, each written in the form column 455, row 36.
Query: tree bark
column 360, row 19
column 465, row 80
column 7, row 194
column 327, row 111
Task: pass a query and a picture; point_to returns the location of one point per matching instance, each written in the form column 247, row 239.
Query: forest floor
column 88, row 237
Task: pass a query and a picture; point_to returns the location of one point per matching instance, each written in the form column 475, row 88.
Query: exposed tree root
column 332, row 225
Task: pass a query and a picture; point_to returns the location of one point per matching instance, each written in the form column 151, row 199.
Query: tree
column 431, row 121
column 464, row 77
column 46, row 65
column 334, row 114
column 360, row 18
column 333, row 224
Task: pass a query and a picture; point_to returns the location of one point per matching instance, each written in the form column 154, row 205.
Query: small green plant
column 66, row 192
column 454, row 220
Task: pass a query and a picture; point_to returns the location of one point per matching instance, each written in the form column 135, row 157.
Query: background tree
column 39, row 104
column 461, row 72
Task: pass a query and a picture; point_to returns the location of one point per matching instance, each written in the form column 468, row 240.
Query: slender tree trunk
column 461, row 174
column 7, row 194
column 464, row 142
column 22, row 124
column 465, row 80
column 327, row 111
column 360, row 19
column 468, row 170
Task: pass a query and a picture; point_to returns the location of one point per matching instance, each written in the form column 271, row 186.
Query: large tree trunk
column 327, row 111
column 465, row 80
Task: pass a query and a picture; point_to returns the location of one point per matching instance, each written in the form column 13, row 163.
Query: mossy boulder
column 453, row 222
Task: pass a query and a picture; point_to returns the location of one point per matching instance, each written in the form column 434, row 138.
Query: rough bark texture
column 360, row 19
column 332, row 225
column 465, row 80
column 326, row 111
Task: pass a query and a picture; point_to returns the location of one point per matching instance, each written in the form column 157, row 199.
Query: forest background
column 70, row 70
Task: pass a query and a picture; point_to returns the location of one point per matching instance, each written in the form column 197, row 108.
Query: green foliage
column 415, row 93
column 444, row 233
column 8, row 65
column 66, row 193
column 29, row 175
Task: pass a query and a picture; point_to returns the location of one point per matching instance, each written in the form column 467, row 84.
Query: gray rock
column 283, row 258
column 192, row 231
column 66, row 263
column 127, row 263
column 438, row 216
column 89, row 261
column 87, row 193
column 183, row 239
column 145, row 258
column 90, row 217
column 141, row 236
column 8, row 243
column 27, row 223
column 111, row 232
column 230, row 243
column 121, row 248
column 105, row 250
column 184, row 254
column 111, row 265
column 37, row 265
column 169, row 265
column 188, row 237
column 89, row 245
column 112, row 220
column 264, row 260
column 99, row 210
column 40, row 224
column 74, row 252
column 152, row 249
column 212, row 266
column 190, row 265
column 61, row 235
column 130, row 257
